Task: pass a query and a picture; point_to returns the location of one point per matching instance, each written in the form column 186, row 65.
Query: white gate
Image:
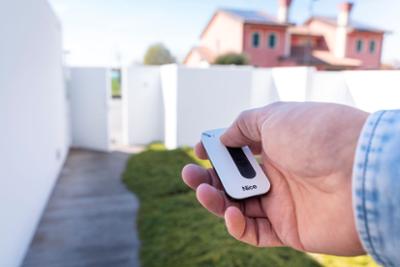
column 89, row 94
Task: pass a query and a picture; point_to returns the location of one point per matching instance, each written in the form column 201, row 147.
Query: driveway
column 90, row 217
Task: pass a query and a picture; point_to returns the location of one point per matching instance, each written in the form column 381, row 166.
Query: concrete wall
column 90, row 95
column 142, row 105
column 199, row 99
column 116, row 131
column 366, row 90
column 263, row 89
column 292, row 82
column 188, row 101
column 329, row 87
column 175, row 103
column 374, row 90
column 33, row 120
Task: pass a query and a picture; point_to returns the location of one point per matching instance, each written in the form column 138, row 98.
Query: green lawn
column 115, row 87
column 176, row 231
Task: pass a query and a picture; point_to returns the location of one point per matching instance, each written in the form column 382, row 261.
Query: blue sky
column 105, row 32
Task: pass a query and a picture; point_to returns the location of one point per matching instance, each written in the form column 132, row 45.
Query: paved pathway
column 90, row 218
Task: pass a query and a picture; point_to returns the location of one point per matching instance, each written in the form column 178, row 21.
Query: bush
column 158, row 54
column 232, row 59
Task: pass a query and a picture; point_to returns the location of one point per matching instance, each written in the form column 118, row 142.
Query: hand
column 307, row 151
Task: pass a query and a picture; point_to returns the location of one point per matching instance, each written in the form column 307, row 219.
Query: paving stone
column 90, row 217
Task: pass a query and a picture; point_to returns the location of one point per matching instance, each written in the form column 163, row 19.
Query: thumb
column 245, row 131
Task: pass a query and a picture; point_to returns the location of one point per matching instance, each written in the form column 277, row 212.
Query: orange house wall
column 263, row 56
column 224, row 34
column 370, row 60
column 326, row 30
column 193, row 59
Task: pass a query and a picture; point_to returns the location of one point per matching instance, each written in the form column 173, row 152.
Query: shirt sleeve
column 376, row 187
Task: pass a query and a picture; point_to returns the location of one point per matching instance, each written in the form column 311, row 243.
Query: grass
column 334, row 261
column 176, row 231
column 115, row 87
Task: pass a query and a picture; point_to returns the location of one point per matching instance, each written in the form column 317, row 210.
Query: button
column 242, row 162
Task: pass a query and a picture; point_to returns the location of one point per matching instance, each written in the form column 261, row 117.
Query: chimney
column 344, row 14
column 283, row 11
column 343, row 21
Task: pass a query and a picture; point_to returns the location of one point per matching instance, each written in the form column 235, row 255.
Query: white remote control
column 237, row 168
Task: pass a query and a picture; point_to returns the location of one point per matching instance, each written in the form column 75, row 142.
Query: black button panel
column 242, row 162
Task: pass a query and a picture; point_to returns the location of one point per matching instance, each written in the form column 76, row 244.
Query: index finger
column 200, row 151
column 245, row 131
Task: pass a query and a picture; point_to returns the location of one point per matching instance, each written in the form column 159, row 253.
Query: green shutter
column 256, row 39
column 272, row 40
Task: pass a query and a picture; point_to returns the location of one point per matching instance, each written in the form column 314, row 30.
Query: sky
column 113, row 32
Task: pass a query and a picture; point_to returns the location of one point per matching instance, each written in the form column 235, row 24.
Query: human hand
column 307, row 151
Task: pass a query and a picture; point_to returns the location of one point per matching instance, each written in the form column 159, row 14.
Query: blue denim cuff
column 376, row 187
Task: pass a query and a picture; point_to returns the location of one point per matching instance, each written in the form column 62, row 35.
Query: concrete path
column 90, row 218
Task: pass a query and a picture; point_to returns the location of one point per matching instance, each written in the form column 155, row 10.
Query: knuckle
column 274, row 105
column 246, row 115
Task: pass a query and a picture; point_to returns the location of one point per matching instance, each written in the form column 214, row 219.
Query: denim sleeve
column 376, row 187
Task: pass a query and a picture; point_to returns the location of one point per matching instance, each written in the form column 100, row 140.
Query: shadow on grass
column 176, row 231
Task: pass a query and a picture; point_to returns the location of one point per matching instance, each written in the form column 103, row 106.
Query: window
column 255, row 39
column 372, row 46
column 272, row 39
column 359, row 46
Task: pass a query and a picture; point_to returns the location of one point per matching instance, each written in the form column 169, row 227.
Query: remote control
column 236, row 167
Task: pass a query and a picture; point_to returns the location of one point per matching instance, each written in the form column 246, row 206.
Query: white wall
column 292, row 82
column 188, row 101
column 116, row 132
column 33, row 120
column 202, row 99
column 329, row 87
column 263, row 88
column 366, row 90
column 143, row 108
column 374, row 90
column 89, row 90
column 197, row 99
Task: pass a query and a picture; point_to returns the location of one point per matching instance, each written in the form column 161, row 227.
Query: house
column 324, row 42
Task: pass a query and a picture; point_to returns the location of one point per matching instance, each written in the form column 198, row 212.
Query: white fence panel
column 195, row 99
column 169, row 85
column 366, row 90
column 329, row 87
column 374, row 90
column 292, row 82
column 202, row 99
column 143, row 108
column 90, row 94
column 116, row 128
column 263, row 89
column 34, row 135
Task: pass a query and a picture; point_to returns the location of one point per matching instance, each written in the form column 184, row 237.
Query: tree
column 158, row 54
column 232, row 59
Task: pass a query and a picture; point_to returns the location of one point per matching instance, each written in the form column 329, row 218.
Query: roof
column 252, row 16
column 246, row 16
column 321, row 57
column 329, row 58
column 353, row 25
column 303, row 30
